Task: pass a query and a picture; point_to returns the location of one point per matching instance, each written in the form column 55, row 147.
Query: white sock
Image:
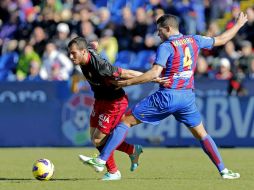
column 225, row 170
column 100, row 161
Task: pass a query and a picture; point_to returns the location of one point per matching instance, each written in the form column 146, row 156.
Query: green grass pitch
column 160, row 169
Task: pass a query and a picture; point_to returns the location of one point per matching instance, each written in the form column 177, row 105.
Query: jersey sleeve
column 103, row 67
column 204, row 41
column 163, row 53
column 108, row 70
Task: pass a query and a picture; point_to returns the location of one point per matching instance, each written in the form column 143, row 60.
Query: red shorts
column 107, row 113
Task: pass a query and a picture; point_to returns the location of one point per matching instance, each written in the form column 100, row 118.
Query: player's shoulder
column 165, row 45
column 96, row 57
column 200, row 37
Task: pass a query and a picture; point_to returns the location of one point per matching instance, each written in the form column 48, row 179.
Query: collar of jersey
column 175, row 37
column 88, row 58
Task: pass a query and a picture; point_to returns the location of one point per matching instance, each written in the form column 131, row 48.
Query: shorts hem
column 143, row 121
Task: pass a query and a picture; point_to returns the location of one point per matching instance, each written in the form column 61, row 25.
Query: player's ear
column 84, row 51
column 168, row 28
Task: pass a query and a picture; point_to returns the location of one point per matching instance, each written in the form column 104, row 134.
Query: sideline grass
column 160, row 168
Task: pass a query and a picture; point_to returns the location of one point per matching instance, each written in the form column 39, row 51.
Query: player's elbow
column 219, row 41
column 156, row 71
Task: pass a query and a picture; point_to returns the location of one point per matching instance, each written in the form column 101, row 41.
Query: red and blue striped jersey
column 178, row 55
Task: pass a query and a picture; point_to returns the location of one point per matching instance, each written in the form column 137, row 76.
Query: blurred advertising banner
column 48, row 114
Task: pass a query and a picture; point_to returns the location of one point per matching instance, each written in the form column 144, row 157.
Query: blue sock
column 114, row 140
column 211, row 150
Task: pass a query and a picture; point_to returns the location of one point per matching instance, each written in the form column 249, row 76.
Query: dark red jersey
column 98, row 72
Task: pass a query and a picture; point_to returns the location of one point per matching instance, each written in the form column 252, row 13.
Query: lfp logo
column 76, row 118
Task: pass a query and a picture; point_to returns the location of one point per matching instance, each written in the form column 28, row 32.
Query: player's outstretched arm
column 148, row 76
column 128, row 74
column 229, row 34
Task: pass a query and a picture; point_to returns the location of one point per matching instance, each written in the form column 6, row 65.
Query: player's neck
column 174, row 33
column 86, row 59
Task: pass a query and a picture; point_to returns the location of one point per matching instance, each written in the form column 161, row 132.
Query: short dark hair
column 168, row 20
column 80, row 42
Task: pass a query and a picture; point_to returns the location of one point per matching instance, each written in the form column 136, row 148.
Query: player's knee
column 199, row 131
column 129, row 120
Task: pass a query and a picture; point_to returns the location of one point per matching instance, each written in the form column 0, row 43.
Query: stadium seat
column 135, row 4
column 100, row 3
column 143, row 61
column 124, row 59
column 115, row 7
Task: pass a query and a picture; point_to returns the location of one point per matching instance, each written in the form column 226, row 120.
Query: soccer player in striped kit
column 175, row 61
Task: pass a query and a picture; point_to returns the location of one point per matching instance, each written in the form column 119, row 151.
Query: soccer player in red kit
column 110, row 104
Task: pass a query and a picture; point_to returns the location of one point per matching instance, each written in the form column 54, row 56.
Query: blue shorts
column 164, row 102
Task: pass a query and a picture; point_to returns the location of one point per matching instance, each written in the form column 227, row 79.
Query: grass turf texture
column 160, row 168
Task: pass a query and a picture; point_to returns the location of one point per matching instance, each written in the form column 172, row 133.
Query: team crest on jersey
column 76, row 119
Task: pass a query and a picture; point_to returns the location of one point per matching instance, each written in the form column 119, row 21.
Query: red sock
column 125, row 147
column 110, row 164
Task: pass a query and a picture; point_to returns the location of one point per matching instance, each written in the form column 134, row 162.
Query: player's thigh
column 189, row 115
column 107, row 114
column 150, row 111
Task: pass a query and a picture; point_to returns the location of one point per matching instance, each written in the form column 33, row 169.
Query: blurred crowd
column 34, row 35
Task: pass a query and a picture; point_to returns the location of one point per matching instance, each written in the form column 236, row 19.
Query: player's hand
column 242, row 19
column 162, row 80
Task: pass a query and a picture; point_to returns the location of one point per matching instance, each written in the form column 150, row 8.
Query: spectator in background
column 235, row 11
column 231, row 54
column 108, row 46
column 246, row 59
column 79, row 5
column 9, row 29
column 48, row 22
column 87, row 30
column 39, row 40
column 85, row 15
column 188, row 15
column 202, row 68
column 140, row 30
column 62, row 38
column 248, row 31
column 199, row 9
column 34, row 71
column 251, row 70
column 103, row 20
column 236, row 87
column 55, row 64
column 54, row 5
column 124, row 31
column 151, row 42
column 212, row 31
column 224, row 72
column 27, row 56
column 9, row 60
